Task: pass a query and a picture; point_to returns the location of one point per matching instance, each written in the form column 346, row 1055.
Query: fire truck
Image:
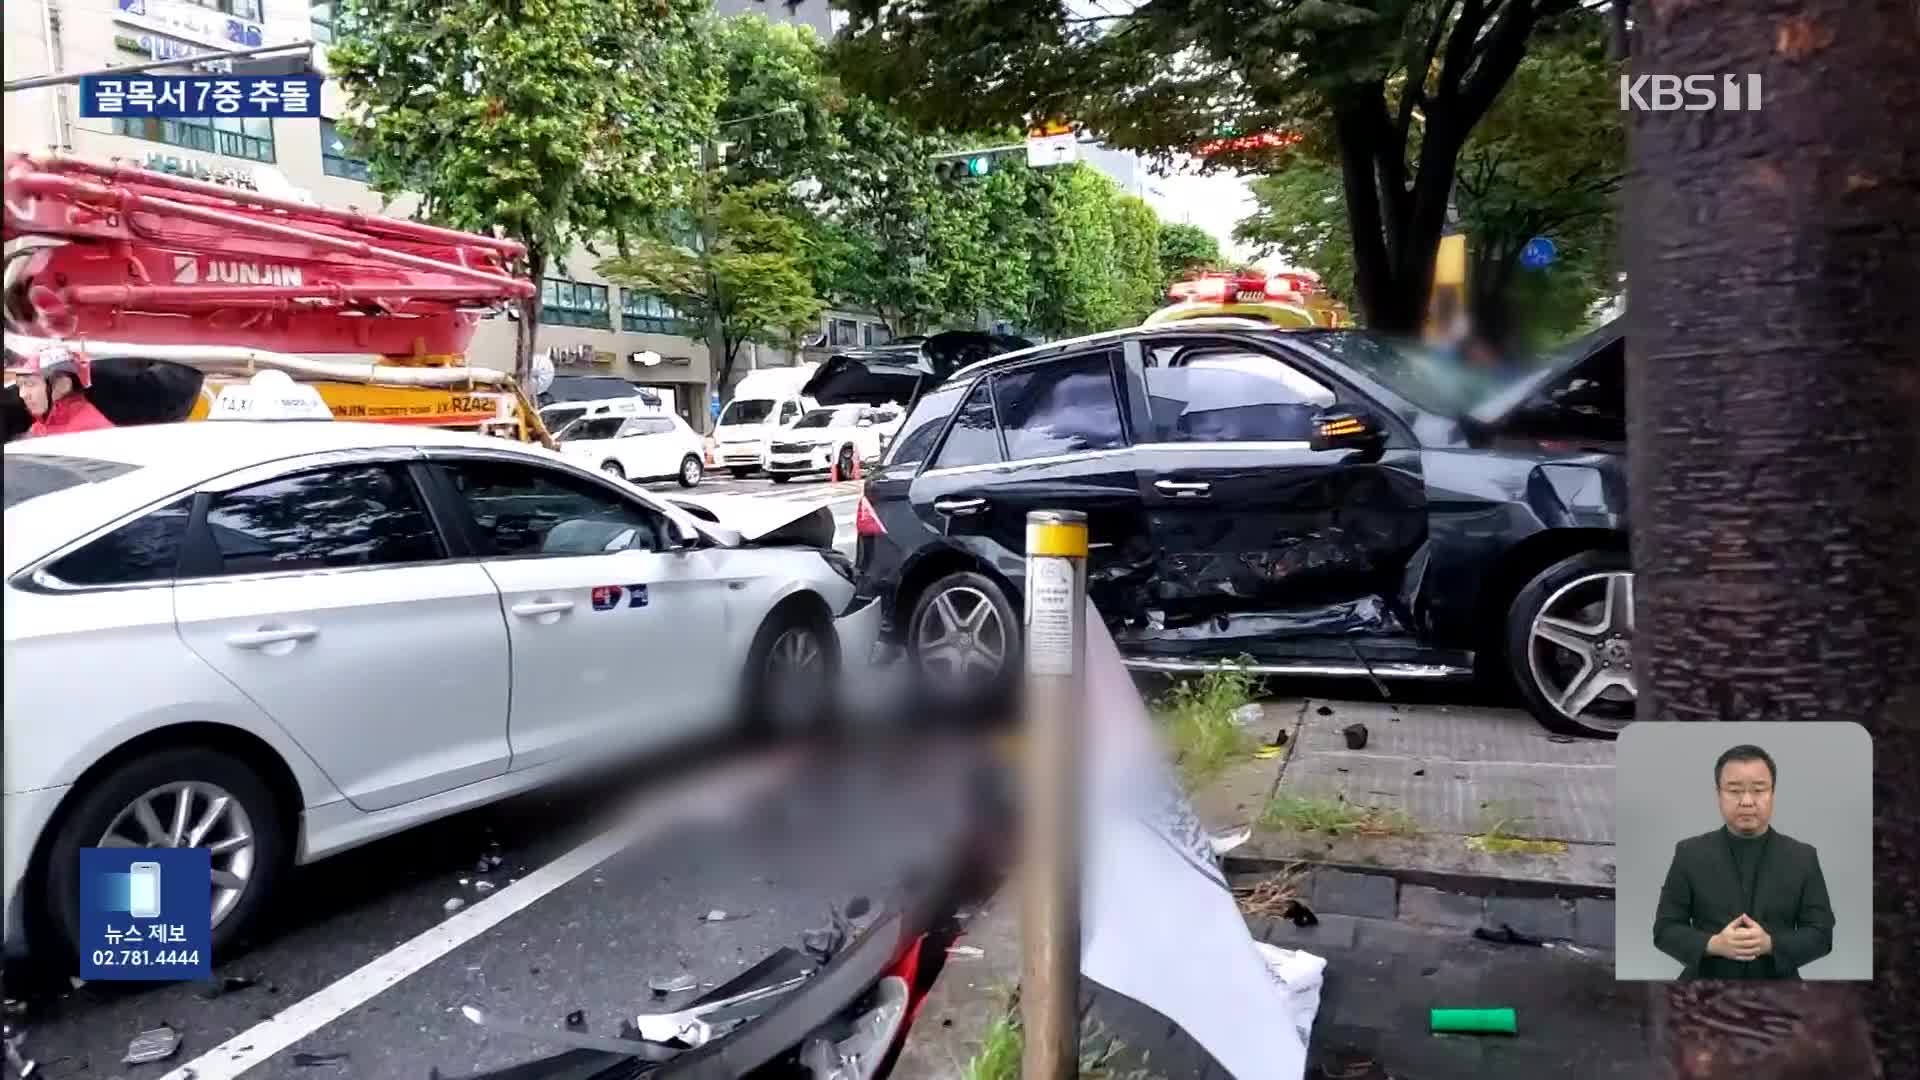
column 1291, row 298
column 179, row 287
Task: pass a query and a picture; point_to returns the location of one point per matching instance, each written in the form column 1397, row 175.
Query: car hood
column 887, row 373
column 1494, row 412
column 734, row 520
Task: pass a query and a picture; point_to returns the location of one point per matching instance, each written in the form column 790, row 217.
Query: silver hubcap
column 193, row 814
column 796, row 670
column 1580, row 650
column 690, row 471
column 961, row 633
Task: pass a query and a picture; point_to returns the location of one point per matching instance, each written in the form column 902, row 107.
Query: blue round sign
column 1538, row 253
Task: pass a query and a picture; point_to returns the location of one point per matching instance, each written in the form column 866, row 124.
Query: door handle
column 535, row 608
column 1184, row 490
column 959, row 506
column 260, row 639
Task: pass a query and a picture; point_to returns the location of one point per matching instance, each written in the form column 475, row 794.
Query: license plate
column 1251, row 296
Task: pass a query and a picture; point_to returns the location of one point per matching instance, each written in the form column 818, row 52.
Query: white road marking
column 301, row 1019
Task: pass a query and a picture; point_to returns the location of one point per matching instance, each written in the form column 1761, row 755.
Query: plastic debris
column 15, row 1041
column 1228, row 839
column 482, row 866
column 494, row 860
column 483, row 887
column 1505, row 935
column 1419, row 772
column 464, row 882
column 156, row 1044
column 1269, row 752
column 969, row 952
column 662, row 985
column 577, row 1018
column 718, row 915
column 1324, row 710
column 452, row 905
column 1249, row 715
column 76, row 981
column 1356, row 736
column 307, row 1060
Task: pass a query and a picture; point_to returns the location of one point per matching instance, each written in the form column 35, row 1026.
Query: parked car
column 636, row 447
column 826, row 439
column 561, row 413
column 282, row 640
column 1315, row 502
column 764, row 402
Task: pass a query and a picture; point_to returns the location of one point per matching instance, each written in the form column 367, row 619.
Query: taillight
column 865, row 521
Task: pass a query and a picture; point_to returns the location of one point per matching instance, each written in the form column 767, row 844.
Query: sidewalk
column 1396, row 913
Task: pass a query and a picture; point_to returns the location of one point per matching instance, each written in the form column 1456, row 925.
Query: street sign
column 1046, row 150
column 1539, row 253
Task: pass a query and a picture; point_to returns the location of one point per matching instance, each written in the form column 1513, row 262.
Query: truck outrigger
column 178, row 287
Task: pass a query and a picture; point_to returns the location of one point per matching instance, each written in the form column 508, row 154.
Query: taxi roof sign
column 270, row 395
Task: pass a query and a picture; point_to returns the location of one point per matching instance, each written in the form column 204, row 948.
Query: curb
column 1480, row 885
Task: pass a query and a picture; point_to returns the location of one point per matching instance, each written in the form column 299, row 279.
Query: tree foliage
column 1184, row 249
column 1392, row 88
column 554, row 125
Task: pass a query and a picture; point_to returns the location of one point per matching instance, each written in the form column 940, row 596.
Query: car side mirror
column 1343, row 428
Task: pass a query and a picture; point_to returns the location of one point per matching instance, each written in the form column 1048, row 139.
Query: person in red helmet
column 53, row 385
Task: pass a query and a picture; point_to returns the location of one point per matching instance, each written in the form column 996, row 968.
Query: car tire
column 778, row 478
column 613, row 469
column 973, row 688
column 776, row 708
column 1569, row 645
column 209, row 772
column 691, row 471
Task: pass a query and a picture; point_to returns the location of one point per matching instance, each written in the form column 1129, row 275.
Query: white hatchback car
column 278, row 640
column 636, row 447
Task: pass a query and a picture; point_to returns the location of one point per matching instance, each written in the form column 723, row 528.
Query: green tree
column 553, row 128
column 1184, row 249
column 756, row 281
column 1299, row 214
column 1165, row 76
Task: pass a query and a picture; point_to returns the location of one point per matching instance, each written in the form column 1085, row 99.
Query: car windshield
column 820, row 418
column 593, row 427
column 555, row 419
column 1429, row 378
column 748, row 411
column 29, row 476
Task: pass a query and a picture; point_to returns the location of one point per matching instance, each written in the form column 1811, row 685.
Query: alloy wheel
column 796, row 673
column 690, row 471
column 1580, row 650
column 191, row 814
column 960, row 633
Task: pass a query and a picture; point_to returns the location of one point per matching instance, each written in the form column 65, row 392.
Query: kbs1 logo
column 1691, row 93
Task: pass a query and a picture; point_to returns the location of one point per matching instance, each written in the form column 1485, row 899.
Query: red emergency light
column 1244, row 288
column 1259, row 140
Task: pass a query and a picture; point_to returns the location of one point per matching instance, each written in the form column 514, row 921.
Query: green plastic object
column 1474, row 1021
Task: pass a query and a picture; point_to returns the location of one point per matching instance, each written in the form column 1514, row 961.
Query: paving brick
column 1437, row 907
column 1540, row 917
column 1593, row 922
column 1332, row 932
column 1343, row 892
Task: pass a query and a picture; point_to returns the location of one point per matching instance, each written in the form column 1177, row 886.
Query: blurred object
column 155, row 1044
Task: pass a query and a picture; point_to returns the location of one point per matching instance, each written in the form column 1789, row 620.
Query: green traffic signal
column 978, row 166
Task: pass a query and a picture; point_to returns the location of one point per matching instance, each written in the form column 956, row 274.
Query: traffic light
column 975, row 164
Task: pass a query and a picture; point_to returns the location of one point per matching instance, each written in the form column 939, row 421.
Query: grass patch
column 1500, row 834
column 999, row 1057
column 1335, row 817
column 1198, row 717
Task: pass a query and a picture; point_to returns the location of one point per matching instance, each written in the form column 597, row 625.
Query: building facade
column 590, row 325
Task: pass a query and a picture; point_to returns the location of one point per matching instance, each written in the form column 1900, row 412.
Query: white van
column 763, row 402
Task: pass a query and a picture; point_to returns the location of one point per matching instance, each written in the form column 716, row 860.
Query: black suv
column 1307, row 502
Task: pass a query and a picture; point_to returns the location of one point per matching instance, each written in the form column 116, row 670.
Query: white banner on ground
column 1158, row 922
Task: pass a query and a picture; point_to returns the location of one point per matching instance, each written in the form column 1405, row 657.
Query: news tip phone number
column 145, row 957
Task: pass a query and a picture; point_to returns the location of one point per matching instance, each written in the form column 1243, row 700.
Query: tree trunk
column 1774, row 365
column 527, row 329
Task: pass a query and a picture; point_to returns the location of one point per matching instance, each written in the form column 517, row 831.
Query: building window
column 334, row 158
column 249, row 137
column 645, row 313
column 842, row 332
column 877, row 334
column 243, row 9
column 574, row 303
column 322, row 18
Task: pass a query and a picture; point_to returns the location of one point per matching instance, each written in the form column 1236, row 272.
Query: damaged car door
column 1263, row 528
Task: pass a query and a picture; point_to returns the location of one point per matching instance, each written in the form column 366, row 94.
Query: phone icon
column 144, row 896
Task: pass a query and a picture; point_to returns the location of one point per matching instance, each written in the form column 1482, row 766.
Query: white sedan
column 278, row 640
column 636, row 447
column 829, row 438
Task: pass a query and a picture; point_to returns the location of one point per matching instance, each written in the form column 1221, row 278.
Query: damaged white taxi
column 278, row 639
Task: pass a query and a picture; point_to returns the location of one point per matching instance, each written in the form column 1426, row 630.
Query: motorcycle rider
column 53, row 385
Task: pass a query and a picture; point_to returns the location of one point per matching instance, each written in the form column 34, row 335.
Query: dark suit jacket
column 1702, row 894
